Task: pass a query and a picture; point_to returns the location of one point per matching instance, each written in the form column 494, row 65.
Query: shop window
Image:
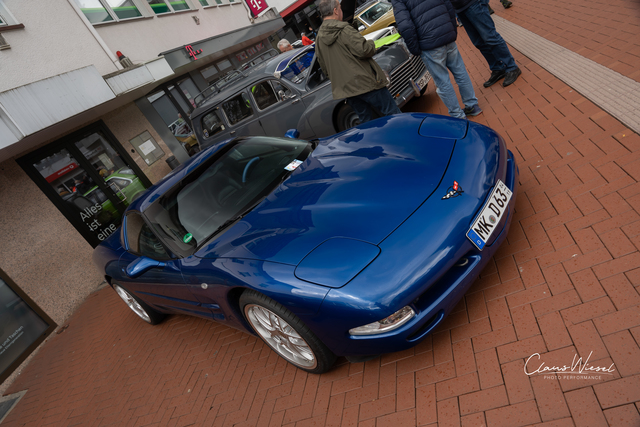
column 171, row 106
column 209, row 72
column 98, row 11
column 23, row 326
column 160, row 7
column 190, row 90
column 224, row 64
column 237, row 108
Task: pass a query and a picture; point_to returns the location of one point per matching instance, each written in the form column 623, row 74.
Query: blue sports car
column 353, row 245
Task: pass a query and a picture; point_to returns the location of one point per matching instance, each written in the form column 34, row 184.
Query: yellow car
column 373, row 16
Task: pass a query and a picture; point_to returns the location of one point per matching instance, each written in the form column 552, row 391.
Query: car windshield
column 223, row 189
column 375, row 12
column 299, row 67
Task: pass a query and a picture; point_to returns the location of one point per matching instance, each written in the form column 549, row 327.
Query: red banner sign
column 257, row 6
column 65, row 170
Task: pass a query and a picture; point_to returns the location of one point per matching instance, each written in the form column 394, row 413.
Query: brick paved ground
column 566, row 282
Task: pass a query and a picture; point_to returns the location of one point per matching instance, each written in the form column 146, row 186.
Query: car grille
column 412, row 69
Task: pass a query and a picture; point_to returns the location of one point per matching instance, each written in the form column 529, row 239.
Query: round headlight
column 387, row 324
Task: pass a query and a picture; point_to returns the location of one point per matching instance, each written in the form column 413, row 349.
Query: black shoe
column 495, row 76
column 473, row 110
column 491, row 11
column 511, row 77
column 506, row 3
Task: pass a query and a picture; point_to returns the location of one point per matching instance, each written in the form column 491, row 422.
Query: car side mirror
column 142, row 265
column 292, row 133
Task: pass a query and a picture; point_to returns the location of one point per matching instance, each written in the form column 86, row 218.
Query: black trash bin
column 173, row 162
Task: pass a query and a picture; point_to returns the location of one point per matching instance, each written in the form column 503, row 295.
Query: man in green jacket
column 346, row 58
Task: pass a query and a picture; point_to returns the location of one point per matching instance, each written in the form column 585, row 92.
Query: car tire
column 285, row 333
column 346, row 118
column 138, row 306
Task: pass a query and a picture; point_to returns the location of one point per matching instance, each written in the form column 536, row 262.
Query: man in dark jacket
column 347, row 59
column 429, row 29
column 476, row 19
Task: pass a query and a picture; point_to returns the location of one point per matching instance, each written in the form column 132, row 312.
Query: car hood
column 360, row 184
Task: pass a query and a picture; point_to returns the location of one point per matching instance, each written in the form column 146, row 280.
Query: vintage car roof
column 256, row 74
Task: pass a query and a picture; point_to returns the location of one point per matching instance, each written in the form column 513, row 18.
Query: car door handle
column 295, row 101
column 233, row 132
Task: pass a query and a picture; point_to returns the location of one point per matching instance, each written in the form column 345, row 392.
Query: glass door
column 90, row 178
column 111, row 169
column 85, row 198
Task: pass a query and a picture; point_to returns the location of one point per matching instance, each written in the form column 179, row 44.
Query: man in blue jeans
column 476, row 19
column 429, row 29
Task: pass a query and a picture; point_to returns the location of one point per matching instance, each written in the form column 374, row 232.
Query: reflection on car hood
column 360, row 184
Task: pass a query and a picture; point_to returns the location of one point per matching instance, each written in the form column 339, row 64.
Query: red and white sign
column 65, row 170
column 257, row 6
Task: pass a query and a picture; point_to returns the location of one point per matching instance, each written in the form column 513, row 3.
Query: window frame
column 126, row 237
column 255, row 101
column 144, row 13
column 8, row 20
column 190, row 7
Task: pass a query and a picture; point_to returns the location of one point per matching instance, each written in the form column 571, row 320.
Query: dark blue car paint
column 381, row 184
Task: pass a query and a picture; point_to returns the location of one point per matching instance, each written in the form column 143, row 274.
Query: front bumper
column 400, row 86
column 427, row 263
column 441, row 296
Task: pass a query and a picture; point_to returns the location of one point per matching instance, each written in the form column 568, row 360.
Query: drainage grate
column 8, row 402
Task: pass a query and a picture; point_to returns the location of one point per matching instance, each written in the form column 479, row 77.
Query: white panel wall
column 133, row 78
column 43, row 103
column 9, row 133
column 142, row 40
column 54, row 41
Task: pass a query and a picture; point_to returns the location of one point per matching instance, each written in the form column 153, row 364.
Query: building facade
column 95, row 97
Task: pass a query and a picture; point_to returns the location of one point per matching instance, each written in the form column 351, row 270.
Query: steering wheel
column 249, row 165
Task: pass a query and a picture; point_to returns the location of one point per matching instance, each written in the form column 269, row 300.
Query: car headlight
column 387, row 324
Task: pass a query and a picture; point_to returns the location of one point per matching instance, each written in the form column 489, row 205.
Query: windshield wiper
column 240, row 216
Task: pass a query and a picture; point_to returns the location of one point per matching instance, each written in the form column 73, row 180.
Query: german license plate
column 492, row 212
column 422, row 82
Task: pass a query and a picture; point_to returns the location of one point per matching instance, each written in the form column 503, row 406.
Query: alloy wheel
column 132, row 303
column 281, row 336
